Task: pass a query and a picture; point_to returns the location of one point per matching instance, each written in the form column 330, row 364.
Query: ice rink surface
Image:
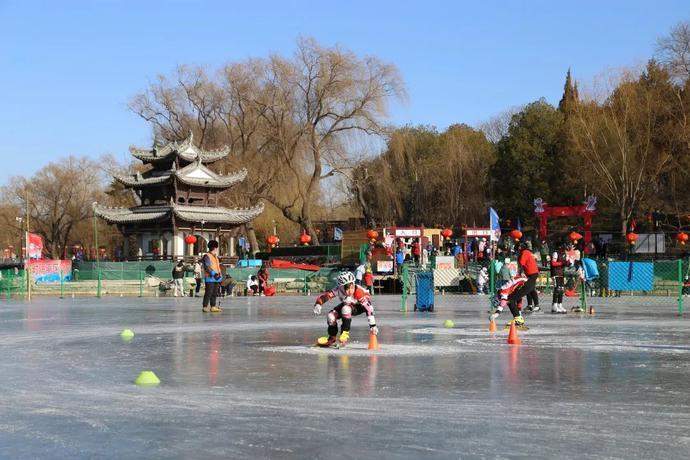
column 246, row 384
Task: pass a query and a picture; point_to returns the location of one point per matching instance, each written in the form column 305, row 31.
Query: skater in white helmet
column 354, row 300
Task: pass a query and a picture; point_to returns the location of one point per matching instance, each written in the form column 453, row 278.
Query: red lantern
column 574, row 236
column 272, row 240
column 304, row 239
column 190, row 239
column 516, row 234
column 682, row 238
column 631, row 237
column 447, row 233
column 372, row 234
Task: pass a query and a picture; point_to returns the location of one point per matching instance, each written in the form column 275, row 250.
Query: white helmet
column 345, row 278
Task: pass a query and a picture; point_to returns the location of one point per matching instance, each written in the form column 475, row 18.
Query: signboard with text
column 50, row 271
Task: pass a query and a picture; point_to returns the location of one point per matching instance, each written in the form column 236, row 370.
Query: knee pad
column 331, row 318
column 346, row 311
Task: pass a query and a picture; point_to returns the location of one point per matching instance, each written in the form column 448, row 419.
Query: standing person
column 369, row 280
column 482, row 279
column 416, row 252
column 197, row 277
column 212, row 278
column 528, row 266
column 503, row 276
column 353, row 301
column 359, row 274
column 178, row 278
column 558, row 264
column 262, row 276
column 399, row 261
column 544, row 253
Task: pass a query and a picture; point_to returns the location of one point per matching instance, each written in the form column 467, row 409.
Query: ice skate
column 519, row 324
column 561, row 309
column 577, row 309
column 206, row 309
column 554, row 308
column 344, row 338
column 216, row 309
column 326, row 342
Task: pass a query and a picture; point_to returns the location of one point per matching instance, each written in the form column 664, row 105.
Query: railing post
column 680, row 286
column 403, row 301
column 98, row 286
column 141, row 283
column 62, row 285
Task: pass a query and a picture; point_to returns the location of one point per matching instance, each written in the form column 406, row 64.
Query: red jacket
column 528, row 263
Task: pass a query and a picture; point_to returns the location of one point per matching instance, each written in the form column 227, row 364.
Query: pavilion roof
column 193, row 174
column 211, row 215
column 184, row 149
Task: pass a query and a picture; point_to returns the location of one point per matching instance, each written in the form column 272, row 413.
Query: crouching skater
column 510, row 294
column 354, row 300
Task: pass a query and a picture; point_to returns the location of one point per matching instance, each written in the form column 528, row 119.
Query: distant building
column 179, row 197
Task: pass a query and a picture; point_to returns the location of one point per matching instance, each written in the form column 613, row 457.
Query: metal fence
column 152, row 279
column 662, row 283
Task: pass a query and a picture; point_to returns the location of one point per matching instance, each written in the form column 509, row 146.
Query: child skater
column 354, row 300
column 510, row 295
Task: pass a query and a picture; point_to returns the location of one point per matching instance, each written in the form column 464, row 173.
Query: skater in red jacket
column 354, row 300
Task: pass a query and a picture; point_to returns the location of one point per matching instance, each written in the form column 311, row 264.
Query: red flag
column 35, row 246
column 633, row 224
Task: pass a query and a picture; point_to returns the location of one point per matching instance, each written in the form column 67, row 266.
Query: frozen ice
column 246, row 383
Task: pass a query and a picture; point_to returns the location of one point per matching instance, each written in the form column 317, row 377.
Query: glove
column 374, row 330
column 317, row 309
column 494, row 315
column 216, row 276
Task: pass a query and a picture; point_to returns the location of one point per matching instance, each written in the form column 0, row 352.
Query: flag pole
column 27, row 259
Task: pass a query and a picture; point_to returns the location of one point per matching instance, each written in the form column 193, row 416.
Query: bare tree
column 59, row 198
column 497, row 126
column 673, row 51
column 288, row 119
column 616, row 139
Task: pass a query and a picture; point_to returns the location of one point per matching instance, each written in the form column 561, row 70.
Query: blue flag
column 494, row 225
column 337, row 234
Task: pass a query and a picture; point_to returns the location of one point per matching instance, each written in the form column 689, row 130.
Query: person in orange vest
column 212, row 278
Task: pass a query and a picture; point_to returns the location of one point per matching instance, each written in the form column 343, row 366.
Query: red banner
column 35, row 246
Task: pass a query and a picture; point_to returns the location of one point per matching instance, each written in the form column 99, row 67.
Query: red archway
column 587, row 210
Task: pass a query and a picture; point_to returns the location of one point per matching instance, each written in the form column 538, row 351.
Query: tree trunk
column 251, row 235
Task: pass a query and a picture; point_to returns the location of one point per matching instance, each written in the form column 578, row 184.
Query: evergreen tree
column 570, row 95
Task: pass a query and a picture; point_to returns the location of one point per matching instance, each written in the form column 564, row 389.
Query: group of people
column 257, row 284
column 510, row 291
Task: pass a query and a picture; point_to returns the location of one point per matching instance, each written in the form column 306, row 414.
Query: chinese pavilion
column 178, row 197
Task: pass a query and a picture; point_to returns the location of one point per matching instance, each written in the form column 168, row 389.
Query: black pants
column 558, row 286
column 210, row 294
column 528, row 289
column 336, row 314
column 198, row 285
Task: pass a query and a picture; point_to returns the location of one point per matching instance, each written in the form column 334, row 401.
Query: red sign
column 35, row 246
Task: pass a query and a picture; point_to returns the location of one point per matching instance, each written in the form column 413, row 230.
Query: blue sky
column 69, row 68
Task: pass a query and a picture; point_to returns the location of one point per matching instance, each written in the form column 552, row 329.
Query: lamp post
column 202, row 235
column 19, row 248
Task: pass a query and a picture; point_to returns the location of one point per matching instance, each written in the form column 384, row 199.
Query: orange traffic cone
column 373, row 342
column 513, row 338
column 492, row 325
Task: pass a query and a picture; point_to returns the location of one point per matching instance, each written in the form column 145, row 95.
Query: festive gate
column 586, row 210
